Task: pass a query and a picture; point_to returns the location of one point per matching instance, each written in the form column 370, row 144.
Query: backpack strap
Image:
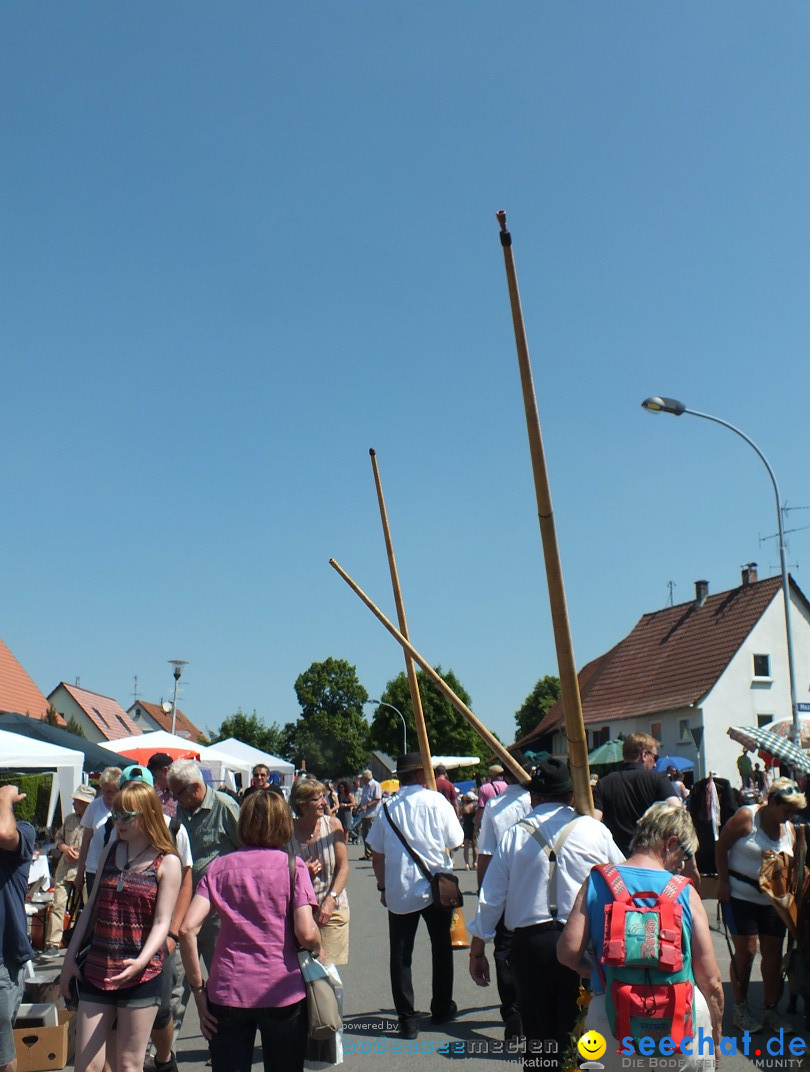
column 553, row 854
column 673, row 889
column 614, row 882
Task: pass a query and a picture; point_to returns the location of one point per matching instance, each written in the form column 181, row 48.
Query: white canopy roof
column 156, row 740
column 451, row 762
column 251, row 756
column 18, row 752
column 219, row 762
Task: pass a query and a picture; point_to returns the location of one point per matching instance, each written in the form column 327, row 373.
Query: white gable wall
column 739, row 698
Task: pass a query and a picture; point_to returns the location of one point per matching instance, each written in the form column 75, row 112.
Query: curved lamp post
column 382, row 703
column 660, row 404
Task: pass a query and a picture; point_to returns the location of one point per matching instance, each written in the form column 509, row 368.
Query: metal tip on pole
column 372, row 451
column 501, row 217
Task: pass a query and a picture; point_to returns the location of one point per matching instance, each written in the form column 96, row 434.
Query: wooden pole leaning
column 569, row 683
column 410, row 669
column 488, row 738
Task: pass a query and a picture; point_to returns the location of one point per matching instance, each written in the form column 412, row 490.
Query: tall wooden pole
column 410, row 669
column 488, row 738
column 569, row 683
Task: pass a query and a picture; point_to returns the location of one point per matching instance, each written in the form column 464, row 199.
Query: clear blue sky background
column 243, row 243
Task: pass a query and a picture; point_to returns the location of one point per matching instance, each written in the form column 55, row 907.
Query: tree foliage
column 250, row 729
column 74, row 727
column 331, row 734
column 448, row 731
column 543, row 696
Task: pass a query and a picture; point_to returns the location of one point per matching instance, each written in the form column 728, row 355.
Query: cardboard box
column 37, row 1014
column 40, row 1049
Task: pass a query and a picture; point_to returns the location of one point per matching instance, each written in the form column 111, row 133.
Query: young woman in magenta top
column 255, row 980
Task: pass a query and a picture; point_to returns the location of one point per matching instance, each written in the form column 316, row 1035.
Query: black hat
column 410, row 761
column 551, row 778
column 160, row 760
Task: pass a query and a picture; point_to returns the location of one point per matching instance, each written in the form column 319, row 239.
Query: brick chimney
column 701, row 593
column 749, row 574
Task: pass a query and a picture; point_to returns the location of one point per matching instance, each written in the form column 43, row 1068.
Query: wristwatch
column 333, row 894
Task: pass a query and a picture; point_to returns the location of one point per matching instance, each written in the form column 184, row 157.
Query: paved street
column 476, row 1036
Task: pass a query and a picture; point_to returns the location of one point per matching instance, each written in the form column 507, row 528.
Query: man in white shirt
column 93, row 822
column 370, row 797
column 534, row 884
column 501, row 812
column 431, row 828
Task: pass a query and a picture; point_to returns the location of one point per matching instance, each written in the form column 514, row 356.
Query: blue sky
column 244, row 243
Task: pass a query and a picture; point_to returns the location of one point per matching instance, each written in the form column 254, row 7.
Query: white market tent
column 220, row 763
column 250, row 756
column 24, row 753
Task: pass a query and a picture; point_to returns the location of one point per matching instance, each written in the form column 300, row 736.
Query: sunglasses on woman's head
column 788, row 791
column 124, row 816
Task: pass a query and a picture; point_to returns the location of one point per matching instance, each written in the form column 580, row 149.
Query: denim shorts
column 140, row 996
column 12, row 984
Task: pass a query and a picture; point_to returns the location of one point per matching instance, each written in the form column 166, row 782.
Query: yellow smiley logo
column 592, row 1045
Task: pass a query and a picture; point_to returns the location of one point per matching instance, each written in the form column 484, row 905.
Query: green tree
column 250, row 729
column 543, row 696
column 74, row 727
column 51, row 716
column 331, row 734
column 448, row 731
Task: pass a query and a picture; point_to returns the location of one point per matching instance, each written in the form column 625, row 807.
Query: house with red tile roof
column 18, row 692
column 717, row 661
column 101, row 717
column 151, row 716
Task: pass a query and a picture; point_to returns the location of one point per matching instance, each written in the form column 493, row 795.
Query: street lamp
column 382, row 703
column 660, row 404
column 178, row 665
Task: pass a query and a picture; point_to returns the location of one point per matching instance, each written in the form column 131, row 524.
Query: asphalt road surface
column 476, row 1037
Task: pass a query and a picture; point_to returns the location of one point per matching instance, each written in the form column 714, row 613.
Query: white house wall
column 739, row 699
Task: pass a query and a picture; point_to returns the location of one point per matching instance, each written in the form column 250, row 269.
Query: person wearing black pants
column 402, row 933
column 532, row 882
column 409, row 842
column 547, row 992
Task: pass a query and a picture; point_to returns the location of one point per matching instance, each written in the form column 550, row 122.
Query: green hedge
column 37, row 788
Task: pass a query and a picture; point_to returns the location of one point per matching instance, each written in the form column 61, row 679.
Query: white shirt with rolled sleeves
column 499, row 814
column 516, row 882
column 430, row 826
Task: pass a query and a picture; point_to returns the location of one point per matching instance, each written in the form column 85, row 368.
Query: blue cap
column 136, row 773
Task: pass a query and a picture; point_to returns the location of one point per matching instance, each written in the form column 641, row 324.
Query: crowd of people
column 192, row 893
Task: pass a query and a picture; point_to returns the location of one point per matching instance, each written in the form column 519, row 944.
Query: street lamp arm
column 752, row 444
column 661, row 404
column 382, row 703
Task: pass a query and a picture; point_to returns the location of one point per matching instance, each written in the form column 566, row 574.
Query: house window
column 600, row 736
column 764, row 720
column 683, row 730
column 762, row 666
column 655, row 730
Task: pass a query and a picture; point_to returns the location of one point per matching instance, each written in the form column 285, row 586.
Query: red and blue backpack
column 646, row 961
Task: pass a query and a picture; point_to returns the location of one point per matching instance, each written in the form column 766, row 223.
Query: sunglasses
column 788, row 791
column 124, row 816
